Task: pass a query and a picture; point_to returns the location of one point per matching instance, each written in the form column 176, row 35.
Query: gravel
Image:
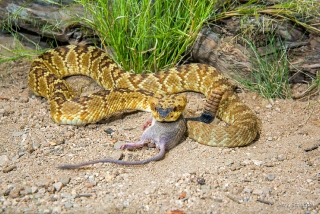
column 273, row 175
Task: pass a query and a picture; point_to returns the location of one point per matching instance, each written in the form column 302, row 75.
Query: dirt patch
column 280, row 172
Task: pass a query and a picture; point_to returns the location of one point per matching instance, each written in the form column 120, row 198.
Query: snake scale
column 125, row 90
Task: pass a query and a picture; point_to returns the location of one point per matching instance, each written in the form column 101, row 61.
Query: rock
column 89, row 185
column 247, row 190
column 265, row 191
column 269, row 106
column 257, row 192
column 68, row 205
column 64, row 179
column 270, row 177
column 43, row 182
column 15, row 193
column 205, row 187
column 58, row 186
column 56, row 210
column 48, row 135
column 246, row 162
column 229, row 162
column 281, row 157
column 91, row 179
column 109, row 131
column 117, row 145
column 65, row 195
column 34, row 189
column 3, row 160
column 201, row 181
column 42, row 191
column 257, row 162
column 17, row 134
column 117, row 155
column 35, row 145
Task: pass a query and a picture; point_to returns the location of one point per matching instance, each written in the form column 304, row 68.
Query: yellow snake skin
column 125, row 90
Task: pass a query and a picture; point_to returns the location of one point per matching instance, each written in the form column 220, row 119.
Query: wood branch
column 47, row 20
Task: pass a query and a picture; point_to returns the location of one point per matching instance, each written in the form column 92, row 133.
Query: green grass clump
column 301, row 12
column 269, row 73
column 147, row 35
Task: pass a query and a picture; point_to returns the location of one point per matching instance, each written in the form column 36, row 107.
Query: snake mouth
column 163, row 112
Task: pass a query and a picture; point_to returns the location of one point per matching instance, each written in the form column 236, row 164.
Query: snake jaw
column 167, row 108
column 164, row 112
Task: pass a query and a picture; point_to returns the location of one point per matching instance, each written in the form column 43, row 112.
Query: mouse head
column 167, row 108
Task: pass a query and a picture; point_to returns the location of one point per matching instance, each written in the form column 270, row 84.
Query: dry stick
column 264, row 201
column 312, row 148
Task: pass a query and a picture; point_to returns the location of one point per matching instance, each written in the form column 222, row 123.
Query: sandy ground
column 279, row 173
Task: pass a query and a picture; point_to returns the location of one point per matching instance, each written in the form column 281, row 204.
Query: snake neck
column 97, row 106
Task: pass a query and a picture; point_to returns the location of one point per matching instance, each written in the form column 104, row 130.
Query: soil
column 278, row 173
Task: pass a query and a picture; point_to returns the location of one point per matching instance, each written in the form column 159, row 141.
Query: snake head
column 167, row 108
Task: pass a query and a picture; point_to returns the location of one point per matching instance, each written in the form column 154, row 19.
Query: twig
column 312, row 148
column 265, row 202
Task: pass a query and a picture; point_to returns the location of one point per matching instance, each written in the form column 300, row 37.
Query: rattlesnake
column 125, row 90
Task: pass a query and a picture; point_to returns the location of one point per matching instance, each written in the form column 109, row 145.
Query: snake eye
column 175, row 108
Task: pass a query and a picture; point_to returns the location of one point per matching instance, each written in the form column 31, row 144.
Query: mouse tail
column 159, row 156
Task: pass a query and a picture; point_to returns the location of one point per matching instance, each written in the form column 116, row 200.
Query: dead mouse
column 165, row 135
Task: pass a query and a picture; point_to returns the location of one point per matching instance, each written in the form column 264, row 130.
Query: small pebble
column 15, row 193
column 205, row 187
column 65, row 179
column 265, row 190
column 270, row 177
column 247, row 190
column 3, row 160
column 229, row 162
column 257, row 192
column 109, row 131
column 34, row 189
column 91, row 179
column 35, row 145
column 117, row 155
column 309, row 180
column 42, row 190
column 68, row 205
column 58, row 186
column 17, row 134
column 246, row 162
column 44, row 182
column 281, row 157
column 201, row 181
column 65, row 195
column 257, row 162
column 56, row 210
column 269, row 106
column 117, row 145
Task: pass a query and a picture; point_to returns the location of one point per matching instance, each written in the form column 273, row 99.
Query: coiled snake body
column 124, row 90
